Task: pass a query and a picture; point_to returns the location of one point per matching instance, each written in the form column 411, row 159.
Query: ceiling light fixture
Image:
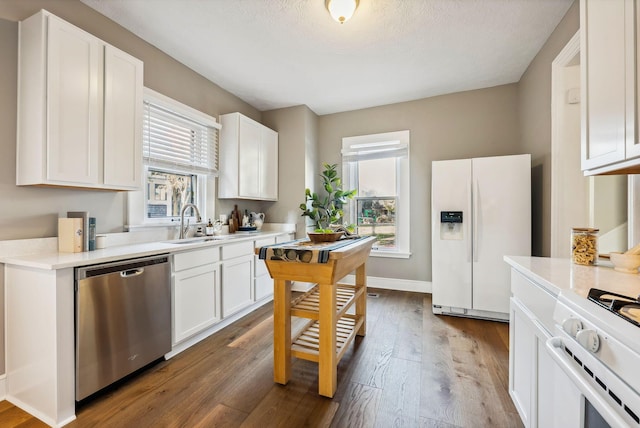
column 341, row 10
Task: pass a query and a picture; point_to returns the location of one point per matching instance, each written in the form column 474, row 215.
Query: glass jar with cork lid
column 584, row 245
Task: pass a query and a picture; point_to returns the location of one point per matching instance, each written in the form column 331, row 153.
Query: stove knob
column 589, row 340
column 572, row 326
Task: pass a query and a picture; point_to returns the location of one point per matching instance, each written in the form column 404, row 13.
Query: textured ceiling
column 280, row 53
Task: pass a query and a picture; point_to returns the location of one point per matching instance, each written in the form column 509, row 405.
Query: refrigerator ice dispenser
column 451, row 225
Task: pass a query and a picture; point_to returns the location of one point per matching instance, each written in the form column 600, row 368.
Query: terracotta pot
column 324, row 237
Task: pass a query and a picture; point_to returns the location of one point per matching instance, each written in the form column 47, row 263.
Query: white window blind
column 176, row 141
column 374, row 150
column 377, row 165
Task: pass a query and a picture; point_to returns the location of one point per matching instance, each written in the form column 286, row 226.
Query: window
column 180, row 147
column 167, row 192
column 378, row 167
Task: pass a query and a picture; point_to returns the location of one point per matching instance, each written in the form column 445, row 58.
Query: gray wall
column 297, row 141
column 534, row 107
column 33, row 211
column 462, row 125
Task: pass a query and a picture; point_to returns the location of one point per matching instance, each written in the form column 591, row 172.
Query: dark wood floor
column 413, row 369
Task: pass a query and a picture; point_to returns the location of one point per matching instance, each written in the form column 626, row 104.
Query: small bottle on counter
column 584, row 245
column 209, row 228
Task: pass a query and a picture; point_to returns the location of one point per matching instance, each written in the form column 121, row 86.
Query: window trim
column 354, row 148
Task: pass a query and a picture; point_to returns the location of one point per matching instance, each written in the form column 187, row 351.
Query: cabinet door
column 263, row 282
column 263, row 287
column 604, row 37
column 522, row 370
column 74, row 105
column 632, row 17
column 269, row 164
column 122, row 119
column 237, row 281
column 195, row 300
column 250, row 135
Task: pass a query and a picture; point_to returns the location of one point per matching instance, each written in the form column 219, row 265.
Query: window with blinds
column 172, row 140
column 180, row 152
column 377, row 166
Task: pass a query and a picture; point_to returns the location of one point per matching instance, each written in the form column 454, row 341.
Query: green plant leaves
column 327, row 210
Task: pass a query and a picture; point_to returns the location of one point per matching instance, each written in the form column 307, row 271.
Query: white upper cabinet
column 122, row 119
column 79, row 109
column 248, row 159
column 609, row 67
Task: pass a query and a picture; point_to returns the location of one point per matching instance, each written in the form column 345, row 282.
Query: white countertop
column 56, row 260
column 563, row 276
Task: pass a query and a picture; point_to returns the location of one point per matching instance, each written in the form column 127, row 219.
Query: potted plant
column 326, row 211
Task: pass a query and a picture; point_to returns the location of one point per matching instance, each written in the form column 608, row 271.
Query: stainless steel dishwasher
column 123, row 319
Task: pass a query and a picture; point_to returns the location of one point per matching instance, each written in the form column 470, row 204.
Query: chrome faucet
column 182, row 228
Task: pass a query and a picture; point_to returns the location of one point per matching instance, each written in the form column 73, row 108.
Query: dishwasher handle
column 131, row 272
column 126, row 268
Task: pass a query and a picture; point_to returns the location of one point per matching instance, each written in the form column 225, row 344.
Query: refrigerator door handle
column 469, row 222
column 474, row 220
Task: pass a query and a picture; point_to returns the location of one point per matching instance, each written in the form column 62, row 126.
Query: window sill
column 390, row 255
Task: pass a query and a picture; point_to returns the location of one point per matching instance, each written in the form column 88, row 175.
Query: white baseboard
column 3, row 387
column 39, row 415
column 393, row 283
column 470, row 313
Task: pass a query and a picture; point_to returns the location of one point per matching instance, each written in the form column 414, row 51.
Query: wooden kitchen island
column 329, row 329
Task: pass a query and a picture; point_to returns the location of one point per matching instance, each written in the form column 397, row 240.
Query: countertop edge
column 516, row 263
column 57, row 260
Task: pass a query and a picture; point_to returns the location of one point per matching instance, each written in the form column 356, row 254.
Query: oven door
column 606, row 400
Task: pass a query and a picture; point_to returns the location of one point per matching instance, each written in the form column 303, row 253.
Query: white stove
column 599, row 350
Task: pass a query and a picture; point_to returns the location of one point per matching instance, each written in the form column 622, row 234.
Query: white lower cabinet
column 213, row 283
column 196, row 287
column 522, row 352
column 237, row 277
column 540, row 390
column 263, row 283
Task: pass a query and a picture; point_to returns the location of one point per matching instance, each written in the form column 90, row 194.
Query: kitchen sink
column 201, row 239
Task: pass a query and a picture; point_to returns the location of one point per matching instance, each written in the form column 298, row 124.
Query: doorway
column 603, row 202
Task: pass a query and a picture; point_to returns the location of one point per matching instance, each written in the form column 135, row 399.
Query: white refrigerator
column 480, row 212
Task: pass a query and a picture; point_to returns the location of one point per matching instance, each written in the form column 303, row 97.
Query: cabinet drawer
column 191, row 259
column 265, row 241
column 538, row 301
column 238, row 249
column 285, row 238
